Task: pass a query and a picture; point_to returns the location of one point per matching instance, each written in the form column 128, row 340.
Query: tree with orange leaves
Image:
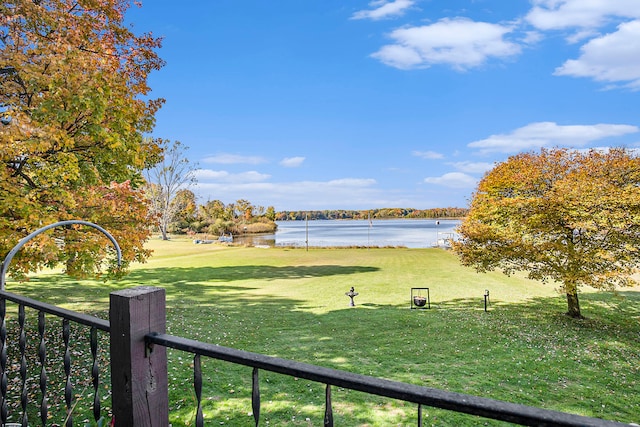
column 72, row 84
column 568, row 216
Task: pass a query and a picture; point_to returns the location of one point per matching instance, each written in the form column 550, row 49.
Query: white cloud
column 561, row 14
column 228, row 159
column 531, row 37
column 384, row 9
column 581, row 35
column 352, row 182
column 547, row 134
column 472, row 167
column 224, row 176
column 614, row 57
column 292, row 162
column 402, row 57
column 453, row 180
column 458, row 42
column 208, row 174
column 429, row 155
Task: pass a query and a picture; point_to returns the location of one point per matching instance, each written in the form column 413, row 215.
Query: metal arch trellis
column 22, row 242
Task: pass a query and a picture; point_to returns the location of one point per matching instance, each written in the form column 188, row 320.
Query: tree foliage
column 242, row 217
column 72, row 83
column 164, row 181
column 381, row 213
column 187, row 208
column 567, row 216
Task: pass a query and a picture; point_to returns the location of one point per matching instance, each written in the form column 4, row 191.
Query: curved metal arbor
column 22, row 242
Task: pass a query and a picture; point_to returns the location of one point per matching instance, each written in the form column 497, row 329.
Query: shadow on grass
column 246, row 272
column 529, row 352
column 63, row 289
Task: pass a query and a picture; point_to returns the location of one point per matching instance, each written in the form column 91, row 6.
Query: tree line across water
column 384, row 213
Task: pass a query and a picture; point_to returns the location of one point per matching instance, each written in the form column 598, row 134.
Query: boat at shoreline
column 225, row 239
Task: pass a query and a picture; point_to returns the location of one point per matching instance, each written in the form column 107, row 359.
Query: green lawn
column 291, row 303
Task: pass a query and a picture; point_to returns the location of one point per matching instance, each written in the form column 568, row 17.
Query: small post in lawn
column 486, row 299
column 352, row 293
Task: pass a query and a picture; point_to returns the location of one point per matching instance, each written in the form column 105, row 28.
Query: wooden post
column 138, row 374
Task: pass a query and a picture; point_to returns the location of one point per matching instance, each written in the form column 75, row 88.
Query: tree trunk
column 163, row 232
column 573, row 304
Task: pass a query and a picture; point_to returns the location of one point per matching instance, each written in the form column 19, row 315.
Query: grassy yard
column 291, row 303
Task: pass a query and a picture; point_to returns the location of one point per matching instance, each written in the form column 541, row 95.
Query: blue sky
column 335, row 104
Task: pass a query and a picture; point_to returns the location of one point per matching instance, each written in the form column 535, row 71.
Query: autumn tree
column 215, row 209
column 216, row 217
column 73, row 86
column 244, row 209
column 166, row 179
column 568, row 216
column 270, row 214
column 187, row 210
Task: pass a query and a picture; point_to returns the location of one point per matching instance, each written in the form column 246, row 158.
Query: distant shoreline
column 375, row 219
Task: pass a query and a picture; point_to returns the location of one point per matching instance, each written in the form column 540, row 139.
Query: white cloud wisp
column 561, row 14
column 228, row 159
column 614, row 57
column 292, row 162
column 384, row 9
column 428, row 155
column 458, row 42
column 548, row 134
column 453, row 180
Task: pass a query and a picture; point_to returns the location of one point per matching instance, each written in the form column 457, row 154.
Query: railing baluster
column 68, row 387
column 24, row 395
column 255, row 396
column 42, row 353
column 419, row 415
column 3, row 362
column 95, row 372
column 197, row 385
column 328, row 410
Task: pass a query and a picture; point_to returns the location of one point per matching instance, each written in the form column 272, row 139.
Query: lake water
column 410, row 233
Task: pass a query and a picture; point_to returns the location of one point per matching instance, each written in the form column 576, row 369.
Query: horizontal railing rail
column 73, row 316
column 463, row 403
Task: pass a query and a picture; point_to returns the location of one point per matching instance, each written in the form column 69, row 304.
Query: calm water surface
column 410, row 233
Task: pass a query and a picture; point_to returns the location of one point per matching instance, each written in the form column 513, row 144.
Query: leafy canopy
column 562, row 215
column 73, row 80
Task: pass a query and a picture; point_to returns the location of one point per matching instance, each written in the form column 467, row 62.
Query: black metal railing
column 422, row 396
column 93, row 323
column 66, row 315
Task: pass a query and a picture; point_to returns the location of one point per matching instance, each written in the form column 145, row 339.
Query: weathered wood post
column 138, row 374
